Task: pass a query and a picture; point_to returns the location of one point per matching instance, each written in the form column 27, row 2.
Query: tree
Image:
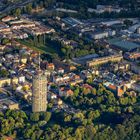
column 89, row 81
column 79, row 133
column 86, row 90
column 99, row 99
column 34, row 117
column 79, row 116
column 27, row 133
column 5, row 41
column 29, row 8
column 120, row 130
column 128, row 22
column 46, row 116
column 17, row 12
column 7, row 125
column 124, row 100
column 93, row 115
column 68, row 118
column 93, row 91
column 89, row 132
column 63, row 51
column 76, row 91
column 4, row 73
column 55, row 56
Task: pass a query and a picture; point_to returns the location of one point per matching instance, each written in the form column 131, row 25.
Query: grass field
column 47, row 49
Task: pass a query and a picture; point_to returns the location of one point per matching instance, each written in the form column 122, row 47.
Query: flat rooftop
column 71, row 21
column 124, row 44
column 84, row 59
column 3, row 96
column 8, row 101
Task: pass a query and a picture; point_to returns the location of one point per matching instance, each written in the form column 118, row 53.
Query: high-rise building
column 137, row 5
column 39, row 101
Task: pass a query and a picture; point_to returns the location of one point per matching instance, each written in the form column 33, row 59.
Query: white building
column 138, row 30
column 100, row 35
column 136, row 87
column 21, row 79
column 110, row 23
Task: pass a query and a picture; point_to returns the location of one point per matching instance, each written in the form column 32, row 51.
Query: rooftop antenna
column 39, row 61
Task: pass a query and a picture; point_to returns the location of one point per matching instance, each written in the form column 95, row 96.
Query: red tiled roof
column 8, row 138
column 87, row 86
column 113, row 87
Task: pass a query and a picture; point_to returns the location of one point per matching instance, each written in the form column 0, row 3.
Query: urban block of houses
column 24, row 94
column 96, row 35
column 13, row 80
column 21, row 28
column 106, row 59
column 38, row 30
column 47, row 66
column 8, row 103
column 136, row 87
column 117, row 89
column 105, row 8
column 65, row 91
column 8, row 18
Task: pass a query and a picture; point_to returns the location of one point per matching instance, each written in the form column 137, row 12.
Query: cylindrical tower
column 39, row 99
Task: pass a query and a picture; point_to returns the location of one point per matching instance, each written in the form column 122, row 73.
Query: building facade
column 103, row 60
column 39, row 101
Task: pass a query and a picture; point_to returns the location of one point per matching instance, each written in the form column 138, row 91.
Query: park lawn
column 41, row 48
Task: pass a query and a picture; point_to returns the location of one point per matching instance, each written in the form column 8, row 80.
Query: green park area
column 42, row 47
